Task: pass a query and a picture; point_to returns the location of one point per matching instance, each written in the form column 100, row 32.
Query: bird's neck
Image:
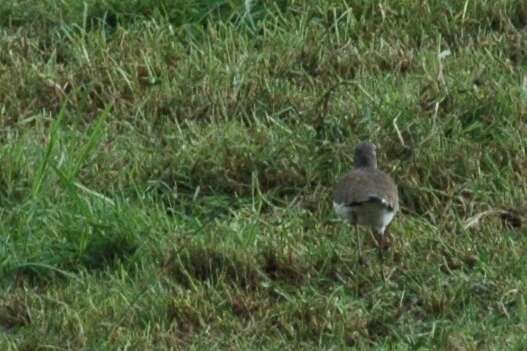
column 366, row 164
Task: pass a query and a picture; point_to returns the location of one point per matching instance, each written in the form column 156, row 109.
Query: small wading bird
column 367, row 196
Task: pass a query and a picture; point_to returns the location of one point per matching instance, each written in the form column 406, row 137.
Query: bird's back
column 364, row 185
column 367, row 196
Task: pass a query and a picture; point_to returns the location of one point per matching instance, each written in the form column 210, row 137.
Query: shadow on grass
column 13, row 314
column 195, row 263
column 103, row 250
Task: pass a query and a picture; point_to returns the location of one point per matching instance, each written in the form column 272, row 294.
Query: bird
column 367, row 196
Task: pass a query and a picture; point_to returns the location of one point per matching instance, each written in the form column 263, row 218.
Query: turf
column 167, row 169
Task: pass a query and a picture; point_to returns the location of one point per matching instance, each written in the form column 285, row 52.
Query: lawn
column 167, row 168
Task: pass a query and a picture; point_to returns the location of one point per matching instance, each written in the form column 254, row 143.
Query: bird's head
column 365, row 155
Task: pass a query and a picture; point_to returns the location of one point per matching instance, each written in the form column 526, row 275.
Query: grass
column 167, row 173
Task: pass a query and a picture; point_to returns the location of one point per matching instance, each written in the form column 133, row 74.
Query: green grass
column 167, row 169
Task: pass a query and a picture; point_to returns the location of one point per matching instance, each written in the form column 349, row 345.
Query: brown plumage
column 359, row 185
column 366, row 195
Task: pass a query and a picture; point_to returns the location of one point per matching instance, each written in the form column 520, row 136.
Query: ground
column 166, row 173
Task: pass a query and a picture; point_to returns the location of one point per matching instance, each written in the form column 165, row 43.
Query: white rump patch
column 371, row 214
column 342, row 210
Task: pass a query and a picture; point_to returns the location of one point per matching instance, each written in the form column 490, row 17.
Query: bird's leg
column 381, row 257
column 387, row 238
column 359, row 245
column 380, row 242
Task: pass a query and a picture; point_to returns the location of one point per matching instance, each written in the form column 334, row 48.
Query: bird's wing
column 360, row 186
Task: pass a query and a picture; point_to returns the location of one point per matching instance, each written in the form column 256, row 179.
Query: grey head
column 365, row 155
